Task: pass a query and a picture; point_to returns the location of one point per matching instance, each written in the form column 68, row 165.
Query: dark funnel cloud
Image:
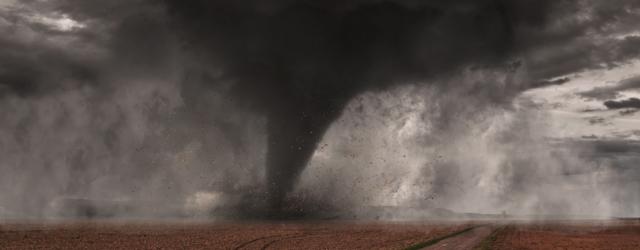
column 300, row 62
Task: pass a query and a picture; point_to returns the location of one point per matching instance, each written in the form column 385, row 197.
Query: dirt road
column 466, row 240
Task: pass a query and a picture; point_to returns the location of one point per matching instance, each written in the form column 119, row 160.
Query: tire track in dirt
column 450, row 241
column 467, row 240
column 300, row 236
column 277, row 240
column 281, row 239
column 247, row 243
column 488, row 242
column 316, row 234
column 411, row 238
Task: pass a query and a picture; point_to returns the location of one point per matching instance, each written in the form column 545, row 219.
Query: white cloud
column 61, row 22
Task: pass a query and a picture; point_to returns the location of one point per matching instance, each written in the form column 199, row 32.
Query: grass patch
column 436, row 240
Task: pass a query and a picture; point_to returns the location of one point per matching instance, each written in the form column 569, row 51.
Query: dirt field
column 595, row 235
column 218, row 236
column 324, row 235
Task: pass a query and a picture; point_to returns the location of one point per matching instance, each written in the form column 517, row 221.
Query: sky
column 470, row 106
column 578, row 114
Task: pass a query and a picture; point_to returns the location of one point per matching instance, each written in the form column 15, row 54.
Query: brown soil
column 569, row 236
column 324, row 235
column 218, row 236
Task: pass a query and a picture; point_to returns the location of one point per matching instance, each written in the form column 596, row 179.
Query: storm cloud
column 302, row 61
column 612, row 92
column 238, row 95
column 628, row 103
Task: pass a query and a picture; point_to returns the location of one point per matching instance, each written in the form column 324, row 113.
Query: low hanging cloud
column 612, row 92
column 545, row 83
column 628, row 103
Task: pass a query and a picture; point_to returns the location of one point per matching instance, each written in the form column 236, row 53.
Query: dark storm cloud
column 597, row 120
column 586, row 35
column 600, row 93
column 586, row 54
column 611, row 147
column 628, row 112
column 598, row 148
column 29, row 68
column 545, row 83
column 628, row 103
column 82, row 106
column 612, row 92
column 39, row 57
column 29, row 64
column 302, row 61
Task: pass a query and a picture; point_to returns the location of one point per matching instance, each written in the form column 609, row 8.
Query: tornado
column 300, row 62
